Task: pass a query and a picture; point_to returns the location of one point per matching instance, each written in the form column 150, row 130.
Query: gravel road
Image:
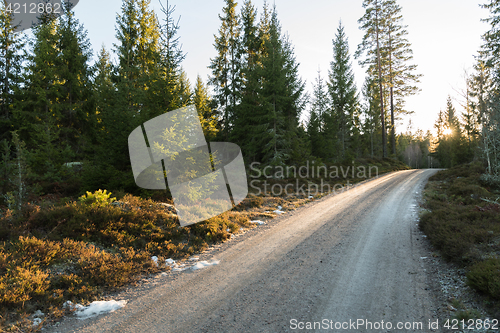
column 337, row 264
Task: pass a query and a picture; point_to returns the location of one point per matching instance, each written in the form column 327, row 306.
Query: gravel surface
column 355, row 257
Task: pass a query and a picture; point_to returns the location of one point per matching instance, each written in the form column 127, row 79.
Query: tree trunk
column 382, row 116
column 393, row 126
column 391, row 77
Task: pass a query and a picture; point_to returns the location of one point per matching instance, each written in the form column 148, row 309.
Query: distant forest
column 57, row 108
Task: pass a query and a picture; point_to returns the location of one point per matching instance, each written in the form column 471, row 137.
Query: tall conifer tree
column 11, row 46
column 321, row 126
column 203, row 104
column 372, row 23
column 75, row 101
column 401, row 77
column 226, row 66
column 343, row 92
column 281, row 93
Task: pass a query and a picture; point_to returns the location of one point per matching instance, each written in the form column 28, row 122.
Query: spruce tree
column 226, row 66
column 482, row 85
column 321, row 128
column 449, row 144
column 343, row 92
column 207, row 115
column 75, row 101
column 248, row 123
column 11, row 55
column 316, row 139
column 104, row 94
column 137, row 77
column 184, row 90
column 38, row 112
column 281, row 94
column 164, row 92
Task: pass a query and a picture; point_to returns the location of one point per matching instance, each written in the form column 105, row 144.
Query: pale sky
column 445, row 36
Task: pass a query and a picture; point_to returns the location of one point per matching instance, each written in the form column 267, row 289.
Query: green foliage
column 11, row 67
column 388, row 57
column 226, row 66
column 451, row 145
column 99, row 198
column 341, row 123
column 203, row 104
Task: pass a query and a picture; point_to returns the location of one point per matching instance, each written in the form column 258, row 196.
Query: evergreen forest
column 56, row 108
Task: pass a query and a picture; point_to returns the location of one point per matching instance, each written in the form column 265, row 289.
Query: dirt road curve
column 347, row 258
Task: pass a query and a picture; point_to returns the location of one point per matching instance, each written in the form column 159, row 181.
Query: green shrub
column 485, row 276
column 99, row 198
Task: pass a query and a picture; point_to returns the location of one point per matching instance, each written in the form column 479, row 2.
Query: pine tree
column 371, row 116
column 343, row 92
column 373, row 23
column 226, row 66
column 401, row 75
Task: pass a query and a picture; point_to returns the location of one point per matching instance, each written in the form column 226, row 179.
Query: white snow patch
column 71, row 306
column 258, row 222
column 179, row 268
column 38, row 313
column 155, row 259
column 203, row 264
column 280, row 208
column 310, row 197
column 423, row 257
column 194, row 259
column 170, row 262
column 99, row 307
column 278, row 212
